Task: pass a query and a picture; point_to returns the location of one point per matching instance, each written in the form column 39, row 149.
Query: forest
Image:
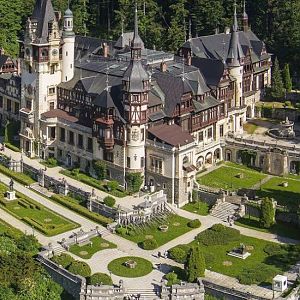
column 165, row 24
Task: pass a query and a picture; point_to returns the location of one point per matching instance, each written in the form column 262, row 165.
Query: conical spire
column 245, row 17
column 235, row 52
column 137, row 44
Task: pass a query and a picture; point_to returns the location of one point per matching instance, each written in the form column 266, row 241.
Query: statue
column 11, row 185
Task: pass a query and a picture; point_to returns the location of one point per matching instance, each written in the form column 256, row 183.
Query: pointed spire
column 190, row 29
column 136, row 24
column 137, row 44
column 245, row 18
column 235, row 20
column 122, row 27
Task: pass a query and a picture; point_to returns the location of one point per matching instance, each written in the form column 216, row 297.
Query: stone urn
column 163, row 228
column 131, row 264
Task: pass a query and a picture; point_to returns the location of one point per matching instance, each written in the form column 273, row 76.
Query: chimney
column 163, row 67
column 105, row 50
column 227, row 30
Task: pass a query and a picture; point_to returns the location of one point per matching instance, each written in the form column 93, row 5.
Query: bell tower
column 136, row 88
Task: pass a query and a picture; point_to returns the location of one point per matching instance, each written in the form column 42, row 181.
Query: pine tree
column 277, row 90
column 287, row 81
column 267, row 217
column 80, row 12
column 195, row 266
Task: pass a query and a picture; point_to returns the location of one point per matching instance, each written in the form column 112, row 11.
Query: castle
column 144, row 111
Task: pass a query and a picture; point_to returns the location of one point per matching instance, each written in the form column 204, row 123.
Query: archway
column 228, row 155
column 295, row 167
column 217, row 154
column 249, row 112
column 199, row 162
column 208, row 158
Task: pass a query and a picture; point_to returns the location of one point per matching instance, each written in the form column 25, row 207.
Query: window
column 52, row 69
column 80, row 141
column 51, row 105
column 62, row 135
column 209, row 133
column 200, row 136
column 221, row 130
column 52, row 133
column 1, row 101
column 90, row 145
column 143, row 134
column 51, row 91
column 128, row 162
column 71, row 137
column 142, row 162
column 156, row 165
column 17, row 108
column 8, row 104
column 59, row 152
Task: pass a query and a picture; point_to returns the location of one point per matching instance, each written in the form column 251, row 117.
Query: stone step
column 224, row 210
column 147, row 294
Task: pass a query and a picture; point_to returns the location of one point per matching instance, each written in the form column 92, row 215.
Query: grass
column 289, row 196
column 226, row 177
column 87, row 251
column 95, row 183
column 198, row 207
column 19, row 177
column 250, row 128
column 35, row 214
column 281, row 229
column 118, row 267
column 177, row 227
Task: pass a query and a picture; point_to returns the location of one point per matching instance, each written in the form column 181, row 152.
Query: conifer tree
column 267, row 216
column 195, row 266
column 287, row 81
column 277, row 90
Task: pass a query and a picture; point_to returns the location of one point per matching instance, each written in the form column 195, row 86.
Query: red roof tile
column 58, row 113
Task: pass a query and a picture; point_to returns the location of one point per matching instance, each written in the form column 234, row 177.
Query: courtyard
column 232, row 177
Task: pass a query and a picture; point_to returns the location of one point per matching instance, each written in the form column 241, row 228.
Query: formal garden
column 130, row 266
column 89, row 249
column 266, row 260
column 34, row 214
column 155, row 234
column 231, row 176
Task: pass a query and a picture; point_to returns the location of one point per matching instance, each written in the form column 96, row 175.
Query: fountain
column 286, row 130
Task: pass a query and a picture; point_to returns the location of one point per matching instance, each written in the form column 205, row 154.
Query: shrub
column 267, row 217
column 149, row 244
column 65, row 201
column 179, row 253
column 109, row 201
column 20, row 177
column 194, row 223
column 12, row 147
column 100, row 169
column 121, row 230
column 273, row 249
column 218, row 235
column 172, row 279
column 112, row 185
column 28, row 243
column 63, row 259
column 51, row 162
column 100, row 278
column 134, row 181
column 75, row 172
column 195, row 265
column 80, row 268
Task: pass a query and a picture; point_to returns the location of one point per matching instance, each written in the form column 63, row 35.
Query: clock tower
column 136, row 88
column 41, row 66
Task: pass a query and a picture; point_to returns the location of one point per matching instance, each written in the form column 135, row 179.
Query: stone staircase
column 143, row 294
column 223, row 210
column 57, row 249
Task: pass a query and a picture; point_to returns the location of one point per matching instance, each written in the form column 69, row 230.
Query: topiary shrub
column 109, row 201
column 194, row 223
column 64, row 260
column 267, row 216
column 80, row 268
column 149, row 244
column 100, row 278
column 218, row 235
column 179, row 253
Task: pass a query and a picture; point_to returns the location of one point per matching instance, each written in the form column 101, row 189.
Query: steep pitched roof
column 43, row 14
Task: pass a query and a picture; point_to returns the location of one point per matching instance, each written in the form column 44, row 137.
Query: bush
column 100, row 169
column 195, row 265
column 172, row 279
column 179, row 253
column 75, row 172
column 12, row 147
column 112, row 185
column 109, row 201
column 80, row 268
column 134, row 181
column 20, row 177
column 65, row 201
column 267, row 217
column 149, row 244
column 194, row 223
column 100, row 278
column 63, row 259
column 28, row 243
column 218, row 235
column 121, row 230
column 273, row 249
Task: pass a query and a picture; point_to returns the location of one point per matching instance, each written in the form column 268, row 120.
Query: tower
column 135, row 100
column 245, row 19
column 235, row 62
column 68, row 37
column 41, row 72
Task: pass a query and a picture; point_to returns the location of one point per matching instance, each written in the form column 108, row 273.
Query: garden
column 87, row 251
column 231, row 177
column 266, row 260
column 197, row 207
column 155, row 234
column 284, row 195
column 130, row 266
column 35, row 214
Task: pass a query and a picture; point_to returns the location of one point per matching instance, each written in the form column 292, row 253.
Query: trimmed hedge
column 109, row 201
column 218, row 235
column 19, row 177
column 149, row 244
column 63, row 259
column 12, row 147
column 64, row 200
column 80, row 268
column 194, row 223
column 180, row 253
column 100, row 278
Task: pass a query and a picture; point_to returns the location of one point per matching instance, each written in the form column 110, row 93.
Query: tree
column 112, row 185
column 109, row 201
column 172, row 279
column 100, row 169
column 287, row 81
column 277, row 90
column 134, row 181
column 267, row 214
column 195, row 266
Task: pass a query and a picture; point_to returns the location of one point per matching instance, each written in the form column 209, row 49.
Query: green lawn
column 177, row 227
column 226, row 177
column 249, row 128
column 118, row 267
column 283, row 195
column 281, row 229
column 93, row 182
column 35, row 214
column 88, row 251
column 198, row 207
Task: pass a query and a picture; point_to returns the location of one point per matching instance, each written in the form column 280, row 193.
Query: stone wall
column 281, row 114
column 207, row 197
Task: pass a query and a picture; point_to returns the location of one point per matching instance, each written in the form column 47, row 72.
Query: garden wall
column 281, row 113
column 207, row 197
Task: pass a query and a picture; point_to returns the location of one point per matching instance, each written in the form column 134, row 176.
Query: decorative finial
column 183, row 70
column 235, row 21
column 136, row 26
column 122, row 27
column 107, row 80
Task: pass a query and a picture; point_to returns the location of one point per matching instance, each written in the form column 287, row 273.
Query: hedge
column 109, row 201
column 12, row 147
column 80, row 268
column 100, row 278
column 63, row 259
column 149, row 244
column 179, row 253
column 19, row 177
column 194, row 223
column 81, row 210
